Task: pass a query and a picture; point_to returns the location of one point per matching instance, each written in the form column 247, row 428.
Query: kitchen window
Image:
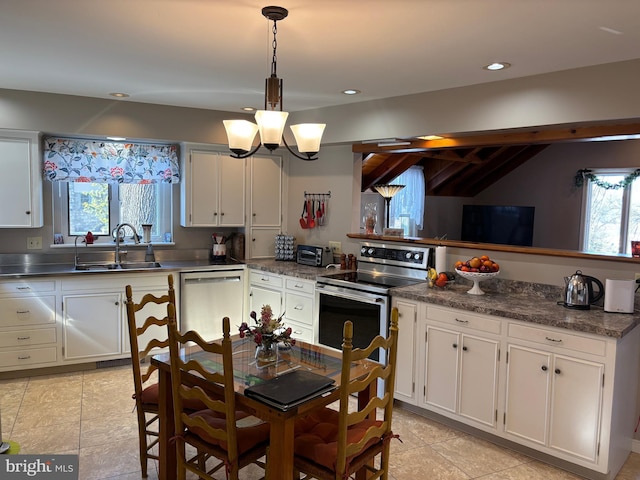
column 611, row 206
column 81, row 207
column 98, row 185
column 407, row 206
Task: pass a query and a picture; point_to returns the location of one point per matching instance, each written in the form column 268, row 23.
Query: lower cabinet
column 566, row 394
column 92, row 325
column 291, row 296
column 461, row 365
column 29, row 332
column 94, row 320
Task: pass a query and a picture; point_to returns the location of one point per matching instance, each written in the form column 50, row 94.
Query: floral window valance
column 77, row 160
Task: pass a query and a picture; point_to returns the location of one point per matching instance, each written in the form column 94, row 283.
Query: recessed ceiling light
column 248, row 109
column 119, row 95
column 497, row 66
column 351, row 91
column 117, row 139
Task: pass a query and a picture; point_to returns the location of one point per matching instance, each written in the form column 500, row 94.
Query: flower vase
column 266, row 352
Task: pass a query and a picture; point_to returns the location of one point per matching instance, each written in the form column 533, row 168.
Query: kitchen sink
column 136, row 265
column 115, row 266
column 96, row 266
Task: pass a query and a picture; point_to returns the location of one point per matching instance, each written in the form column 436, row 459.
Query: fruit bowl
column 476, row 277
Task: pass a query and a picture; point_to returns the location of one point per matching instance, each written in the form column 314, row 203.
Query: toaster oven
column 314, row 256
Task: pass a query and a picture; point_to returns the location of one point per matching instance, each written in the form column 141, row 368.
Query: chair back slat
column 183, row 373
column 384, row 402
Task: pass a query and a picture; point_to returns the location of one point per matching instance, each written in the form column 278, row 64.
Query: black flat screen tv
column 505, row 225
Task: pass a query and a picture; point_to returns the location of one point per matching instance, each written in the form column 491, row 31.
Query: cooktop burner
column 365, row 278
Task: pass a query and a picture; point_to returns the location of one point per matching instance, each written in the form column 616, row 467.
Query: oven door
column 369, row 313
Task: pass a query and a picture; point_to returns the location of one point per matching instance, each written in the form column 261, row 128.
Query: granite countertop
column 527, row 302
column 291, row 269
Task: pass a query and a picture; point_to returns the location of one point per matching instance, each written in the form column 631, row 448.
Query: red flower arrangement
column 267, row 329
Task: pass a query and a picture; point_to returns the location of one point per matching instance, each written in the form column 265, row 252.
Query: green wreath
column 585, row 173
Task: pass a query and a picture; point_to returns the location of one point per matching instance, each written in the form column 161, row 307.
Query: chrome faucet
column 76, row 258
column 117, row 234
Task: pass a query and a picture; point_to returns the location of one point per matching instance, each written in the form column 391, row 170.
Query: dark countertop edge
column 501, row 310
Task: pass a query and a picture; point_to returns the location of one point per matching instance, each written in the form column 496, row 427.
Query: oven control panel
column 415, row 257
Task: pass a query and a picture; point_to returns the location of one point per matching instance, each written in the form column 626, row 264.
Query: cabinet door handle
column 24, row 358
column 297, row 332
column 22, row 311
column 558, row 372
column 455, row 345
column 544, row 368
column 222, row 214
column 461, row 321
column 465, row 349
column 23, row 338
column 298, row 285
column 23, row 288
column 117, row 303
column 265, row 279
column 553, row 339
column 298, row 307
column 28, row 212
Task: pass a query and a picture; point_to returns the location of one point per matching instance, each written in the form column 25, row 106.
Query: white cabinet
column 94, row 322
column 462, row 365
column 29, row 332
column 299, row 308
column 265, row 205
column 406, row 360
column 92, row 325
column 550, row 394
column 21, row 182
column 295, row 297
column 212, row 190
column 265, row 289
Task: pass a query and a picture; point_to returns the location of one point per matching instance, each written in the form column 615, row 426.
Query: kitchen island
column 517, row 368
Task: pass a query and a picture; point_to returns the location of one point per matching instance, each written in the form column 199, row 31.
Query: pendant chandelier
column 271, row 121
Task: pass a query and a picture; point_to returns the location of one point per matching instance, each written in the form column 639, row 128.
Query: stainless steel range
column 363, row 296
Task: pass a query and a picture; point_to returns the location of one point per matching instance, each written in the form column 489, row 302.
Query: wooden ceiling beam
column 543, row 136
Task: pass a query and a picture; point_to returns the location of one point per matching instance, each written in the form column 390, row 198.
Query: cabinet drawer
column 115, row 282
column 19, row 338
column 460, row 318
column 19, row 311
column 30, row 356
column 301, row 332
column 27, row 286
column 297, row 285
column 558, row 338
column 265, row 279
column 298, row 308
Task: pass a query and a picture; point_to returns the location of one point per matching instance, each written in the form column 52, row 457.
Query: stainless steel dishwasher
column 208, row 296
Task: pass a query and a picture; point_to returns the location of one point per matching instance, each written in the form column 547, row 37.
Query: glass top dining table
column 248, row 371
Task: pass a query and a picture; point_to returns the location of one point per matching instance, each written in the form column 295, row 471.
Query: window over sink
column 80, row 207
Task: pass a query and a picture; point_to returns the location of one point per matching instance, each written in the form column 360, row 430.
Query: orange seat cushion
column 316, row 437
column 150, row 397
column 248, row 437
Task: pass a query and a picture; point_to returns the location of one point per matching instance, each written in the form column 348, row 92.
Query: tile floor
column 91, row 413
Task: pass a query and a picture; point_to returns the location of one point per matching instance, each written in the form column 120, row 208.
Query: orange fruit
column 475, row 262
column 458, row 264
column 487, row 263
column 484, row 258
column 495, row 267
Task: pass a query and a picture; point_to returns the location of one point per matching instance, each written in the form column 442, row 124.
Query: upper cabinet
column 212, row 190
column 21, row 180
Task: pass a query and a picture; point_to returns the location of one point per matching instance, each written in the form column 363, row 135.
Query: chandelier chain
column 275, row 46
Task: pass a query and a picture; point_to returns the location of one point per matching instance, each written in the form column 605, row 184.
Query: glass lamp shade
column 308, row 136
column 388, row 191
column 240, row 134
column 271, row 125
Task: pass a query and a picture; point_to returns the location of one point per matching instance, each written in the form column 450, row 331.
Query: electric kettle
column 578, row 292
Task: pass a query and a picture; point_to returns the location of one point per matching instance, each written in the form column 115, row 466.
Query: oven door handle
column 359, row 297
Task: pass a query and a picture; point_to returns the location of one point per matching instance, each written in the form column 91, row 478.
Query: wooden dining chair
column 146, row 337
column 234, row 438
column 332, row 444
